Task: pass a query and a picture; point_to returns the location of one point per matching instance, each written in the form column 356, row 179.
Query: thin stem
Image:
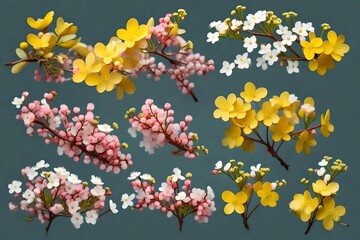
column 20, row 61
column 308, row 129
column 253, row 210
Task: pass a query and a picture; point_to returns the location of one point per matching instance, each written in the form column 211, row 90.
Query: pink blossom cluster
column 183, row 61
column 59, row 193
column 74, row 133
column 158, row 129
column 175, row 197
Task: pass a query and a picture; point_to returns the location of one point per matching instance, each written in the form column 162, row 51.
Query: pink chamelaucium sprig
column 75, row 134
column 175, row 197
column 158, row 129
column 51, row 194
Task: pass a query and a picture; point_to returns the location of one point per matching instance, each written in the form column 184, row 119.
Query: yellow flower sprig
column 321, row 207
column 249, row 184
column 285, row 40
column 278, row 116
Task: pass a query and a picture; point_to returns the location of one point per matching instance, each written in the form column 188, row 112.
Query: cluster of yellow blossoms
column 322, row 206
column 279, row 115
column 248, row 183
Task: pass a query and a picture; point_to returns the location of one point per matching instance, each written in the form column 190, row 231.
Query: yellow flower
column 314, row 46
column 248, row 123
column 291, row 112
column 109, row 52
column 303, row 205
column 308, row 108
column 321, row 64
column 86, row 70
column 281, row 130
column 252, row 94
column 268, row 114
column 248, row 145
column 68, row 41
column 38, row 42
column 326, row 126
column 21, row 65
column 175, row 30
column 305, row 141
column 240, row 109
column 126, row 85
column 107, row 80
column 267, row 195
column 41, row 23
column 64, row 28
column 51, row 39
column 234, row 202
column 283, row 100
column 81, row 49
column 233, row 137
column 325, row 189
column 335, row 46
column 329, row 213
column 225, row 106
column 132, row 33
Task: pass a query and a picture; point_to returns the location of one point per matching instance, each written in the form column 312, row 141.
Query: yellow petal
column 239, row 208
column 241, row 197
column 128, row 85
column 333, row 187
column 101, row 87
column 228, row 196
column 229, row 208
column 332, row 36
column 328, row 223
column 100, row 50
column 340, row 211
column 132, row 25
column 122, row 34
column 92, row 79
column 79, row 77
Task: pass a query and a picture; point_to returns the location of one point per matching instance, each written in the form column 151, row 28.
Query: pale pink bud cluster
column 76, row 135
column 158, row 129
column 58, row 75
column 175, row 197
column 51, row 194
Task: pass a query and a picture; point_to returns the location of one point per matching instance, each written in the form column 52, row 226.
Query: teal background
column 98, row 21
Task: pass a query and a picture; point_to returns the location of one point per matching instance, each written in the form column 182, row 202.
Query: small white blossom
column 222, row 27
column 327, row 178
column 254, row 170
column 61, row 172
column 113, row 207
column 132, row 132
column 197, row 194
column 214, row 24
column 320, row 172
column 98, row 191
column 146, row 176
column 300, row 29
column 29, row 196
column 308, row 108
column 308, row 26
column 292, row 98
column 70, row 188
column 292, row 67
column 18, row 101
column 74, row 179
column 271, row 57
column 248, row 26
column 250, row 43
column 73, row 207
column 96, row 180
column 218, row 165
column 212, row 37
column 273, row 185
column 91, row 217
column 41, row 164
column 182, row 197
column 177, row 175
column 210, row 193
column 261, row 62
column 323, row 163
column 134, row 175
column 31, row 173
column 15, row 187
column 243, row 61
column 106, row 128
column 279, row 46
column 235, row 24
column 54, row 122
column 166, row 189
column 282, row 30
column 53, row 181
column 227, row 68
column 127, row 200
column 77, row 219
column 265, row 48
column 260, row 16
column 288, row 38
column 227, row 167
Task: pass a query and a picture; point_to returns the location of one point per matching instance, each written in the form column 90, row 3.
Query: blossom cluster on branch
column 108, row 66
column 176, row 197
column 51, row 194
column 284, row 41
column 279, row 115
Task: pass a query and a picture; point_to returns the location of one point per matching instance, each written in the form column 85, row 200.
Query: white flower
column 77, row 220
column 254, row 170
column 273, row 185
column 18, row 101
column 62, row 172
column 96, row 180
column 292, row 98
column 169, row 214
column 292, row 67
column 54, row 122
column 132, row 132
column 227, row 167
column 53, row 181
column 308, row 26
column 260, row 16
column 182, row 197
column 91, row 217
column 127, row 200
column 308, row 108
column 166, row 189
column 210, row 193
column 106, row 128
column 248, row 25
column 214, row 24
column 279, row 46
column 98, row 191
column 282, row 30
column 227, row 68
column 265, row 48
column 44, row 101
column 197, row 194
column 327, row 178
column 29, row 196
column 320, row 172
column 134, row 175
column 212, row 37
column 300, row 28
column 41, row 164
column 31, row 173
column 15, row 187
column 218, row 165
column 323, row 163
column 243, row 61
column 250, row 43
column 177, row 175
column 73, row 178
column 73, row 207
column 261, row 62
column 113, row 207
column 255, row 18
column 271, row 57
column 288, row 38
column 146, row 176
column 222, row 27
column 70, row 188
column 235, row 24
